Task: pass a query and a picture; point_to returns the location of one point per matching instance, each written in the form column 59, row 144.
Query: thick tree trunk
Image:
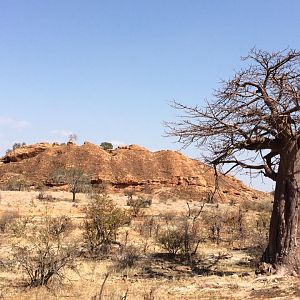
column 283, row 251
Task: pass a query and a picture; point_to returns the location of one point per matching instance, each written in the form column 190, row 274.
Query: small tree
column 73, row 138
column 106, row 146
column 76, row 179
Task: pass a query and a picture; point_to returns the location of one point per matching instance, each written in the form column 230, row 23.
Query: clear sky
column 106, row 70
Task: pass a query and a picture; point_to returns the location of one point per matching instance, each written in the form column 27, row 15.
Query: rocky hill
column 163, row 173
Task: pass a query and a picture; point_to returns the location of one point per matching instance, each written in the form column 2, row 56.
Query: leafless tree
column 253, row 123
column 73, row 138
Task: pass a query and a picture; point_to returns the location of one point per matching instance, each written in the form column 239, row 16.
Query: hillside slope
column 163, row 172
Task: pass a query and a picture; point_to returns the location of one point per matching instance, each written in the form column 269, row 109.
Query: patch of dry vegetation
column 127, row 246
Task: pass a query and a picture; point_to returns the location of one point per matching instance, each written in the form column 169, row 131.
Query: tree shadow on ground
column 165, row 265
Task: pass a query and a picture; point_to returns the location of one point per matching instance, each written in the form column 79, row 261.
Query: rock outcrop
column 26, row 152
column 163, row 172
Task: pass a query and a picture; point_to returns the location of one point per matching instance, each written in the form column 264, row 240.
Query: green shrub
column 103, row 219
column 106, row 146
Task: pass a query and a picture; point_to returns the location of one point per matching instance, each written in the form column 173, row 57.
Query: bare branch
column 258, row 109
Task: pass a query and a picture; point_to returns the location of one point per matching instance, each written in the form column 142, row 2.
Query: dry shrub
column 44, row 197
column 128, row 258
column 129, row 193
column 148, row 189
column 99, row 188
column 18, row 225
column 46, row 254
column 214, row 223
column 60, row 225
column 171, row 240
column 112, row 294
column 257, row 205
column 182, row 236
column 169, row 217
column 7, row 218
column 149, row 295
column 149, row 227
column 226, row 226
column 17, row 184
column 260, row 230
column 136, row 206
column 103, row 221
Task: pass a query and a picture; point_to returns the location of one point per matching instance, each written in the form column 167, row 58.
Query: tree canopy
column 257, row 109
column 257, row 112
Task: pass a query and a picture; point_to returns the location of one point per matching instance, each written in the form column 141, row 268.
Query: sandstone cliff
column 163, row 172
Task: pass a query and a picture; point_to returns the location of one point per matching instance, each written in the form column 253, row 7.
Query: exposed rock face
column 125, row 167
column 25, row 152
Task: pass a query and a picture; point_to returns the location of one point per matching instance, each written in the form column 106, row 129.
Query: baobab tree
column 253, row 122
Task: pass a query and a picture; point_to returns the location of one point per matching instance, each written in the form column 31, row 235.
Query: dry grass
column 219, row 271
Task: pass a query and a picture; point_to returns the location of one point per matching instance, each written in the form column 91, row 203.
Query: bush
column 236, row 226
column 136, row 205
column 59, row 225
column 103, row 221
column 99, row 188
column 17, row 184
column 214, row 222
column 45, row 256
column 44, row 197
column 8, row 218
column 18, row 226
column 257, row 205
column 106, row 146
column 129, row 193
column 182, row 236
column 260, row 230
column 171, row 240
column 148, row 227
column 129, row 257
column 18, row 145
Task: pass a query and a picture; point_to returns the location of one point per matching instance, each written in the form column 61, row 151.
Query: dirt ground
column 221, row 272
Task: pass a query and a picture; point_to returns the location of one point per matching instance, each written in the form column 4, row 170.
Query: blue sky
column 106, row 70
